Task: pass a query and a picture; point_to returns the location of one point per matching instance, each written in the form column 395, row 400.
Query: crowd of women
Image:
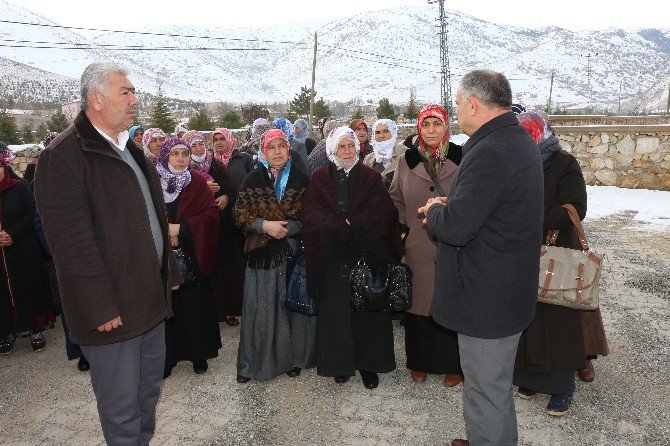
column 239, row 216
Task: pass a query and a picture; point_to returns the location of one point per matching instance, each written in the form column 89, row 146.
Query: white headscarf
column 383, row 150
column 333, row 141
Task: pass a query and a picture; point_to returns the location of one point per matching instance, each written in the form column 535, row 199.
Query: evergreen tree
column 385, row 110
column 251, row 112
column 358, row 113
column 321, row 110
column 27, row 133
column 231, row 120
column 41, row 131
column 161, row 117
column 299, row 106
column 9, row 133
column 58, row 122
column 412, row 110
column 201, row 121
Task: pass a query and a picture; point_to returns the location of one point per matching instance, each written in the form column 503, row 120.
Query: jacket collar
column 504, row 120
column 93, row 141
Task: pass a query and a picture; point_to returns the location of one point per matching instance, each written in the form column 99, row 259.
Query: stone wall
column 22, row 158
column 608, row 120
column 630, row 156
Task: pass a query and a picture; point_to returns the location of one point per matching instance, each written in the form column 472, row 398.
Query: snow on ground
column 18, row 147
column 652, row 206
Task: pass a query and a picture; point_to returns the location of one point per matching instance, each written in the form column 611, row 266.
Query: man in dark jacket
column 104, row 218
column 490, row 235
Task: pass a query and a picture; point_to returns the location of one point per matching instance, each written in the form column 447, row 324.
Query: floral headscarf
column 5, row 153
column 333, row 141
column 152, row 132
column 232, row 144
column 278, row 175
column 285, row 126
column 172, row 182
column 303, row 130
column 134, row 129
column 202, row 163
column 434, row 155
column 383, row 150
column 50, row 136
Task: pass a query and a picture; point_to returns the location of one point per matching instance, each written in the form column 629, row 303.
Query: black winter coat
column 490, row 234
column 239, row 166
column 554, row 339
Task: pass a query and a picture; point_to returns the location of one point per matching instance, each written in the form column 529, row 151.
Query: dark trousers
column 126, row 378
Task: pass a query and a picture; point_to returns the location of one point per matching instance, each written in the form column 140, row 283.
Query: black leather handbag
column 384, row 288
column 185, row 267
column 297, row 298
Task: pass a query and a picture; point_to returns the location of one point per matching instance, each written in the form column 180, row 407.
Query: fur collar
column 414, row 158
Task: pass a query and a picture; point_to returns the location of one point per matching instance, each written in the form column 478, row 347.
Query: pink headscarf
column 232, row 145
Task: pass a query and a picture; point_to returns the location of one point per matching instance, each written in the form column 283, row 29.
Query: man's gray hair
column 490, row 87
column 95, row 79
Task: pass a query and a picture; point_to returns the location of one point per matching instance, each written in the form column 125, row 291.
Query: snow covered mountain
column 362, row 58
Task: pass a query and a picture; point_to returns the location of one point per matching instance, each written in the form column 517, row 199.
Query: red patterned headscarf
column 433, row 111
column 232, row 145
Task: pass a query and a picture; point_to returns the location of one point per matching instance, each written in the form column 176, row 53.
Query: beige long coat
column 410, row 190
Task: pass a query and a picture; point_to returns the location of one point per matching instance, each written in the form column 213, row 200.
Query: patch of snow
column 652, row 207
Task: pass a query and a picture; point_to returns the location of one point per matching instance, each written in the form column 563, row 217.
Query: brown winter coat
column 97, row 226
column 410, row 189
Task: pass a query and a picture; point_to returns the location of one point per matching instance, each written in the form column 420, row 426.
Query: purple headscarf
column 200, row 164
column 172, row 182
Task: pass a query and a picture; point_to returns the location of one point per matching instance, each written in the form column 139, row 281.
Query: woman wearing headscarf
column 136, row 133
column 430, row 348
column 229, row 168
column 298, row 149
column 301, row 134
column 193, row 217
column 254, row 144
column 552, row 347
column 347, row 213
column 25, row 304
column 319, row 157
column 360, row 127
column 152, row 140
column 238, row 163
column 273, row 340
column 385, row 149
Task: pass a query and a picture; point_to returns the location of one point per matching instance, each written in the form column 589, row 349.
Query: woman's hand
column 173, row 232
column 431, row 201
column 213, row 186
column 5, row 239
column 222, row 202
column 275, row 229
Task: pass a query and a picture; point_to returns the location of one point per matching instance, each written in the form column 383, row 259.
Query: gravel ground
column 45, row 400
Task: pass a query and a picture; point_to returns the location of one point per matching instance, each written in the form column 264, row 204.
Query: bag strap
column 552, row 234
column 432, row 177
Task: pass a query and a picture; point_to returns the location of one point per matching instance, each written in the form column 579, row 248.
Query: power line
column 91, row 47
column 147, row 33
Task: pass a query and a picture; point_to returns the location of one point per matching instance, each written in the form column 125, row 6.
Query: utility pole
column 445, row 84
column 619, row 112
column 551, row 87
column 588, row 77
column 667, row 107
column 311, row 99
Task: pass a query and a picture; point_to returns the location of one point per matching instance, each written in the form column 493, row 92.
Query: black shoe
column 242, row 379
column 37, row 341
column 83, row 364
column 7, row 345
column 370, row 379
column 559, row 404
column 200, row 367
column 295, row 372
column 342, row 379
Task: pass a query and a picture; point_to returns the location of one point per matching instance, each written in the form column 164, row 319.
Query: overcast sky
column 123, row 14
